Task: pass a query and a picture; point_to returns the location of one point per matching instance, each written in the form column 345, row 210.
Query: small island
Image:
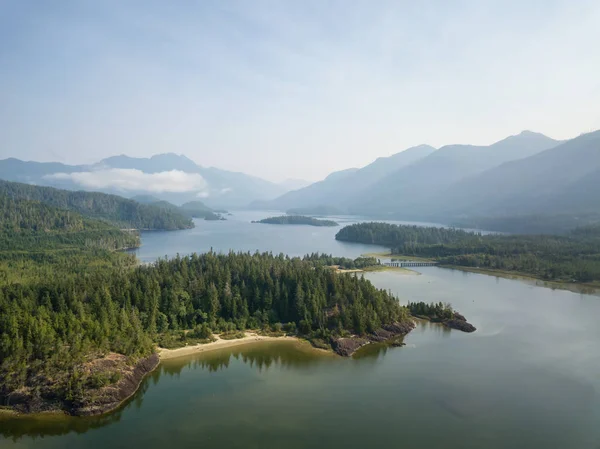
column 296, row 220
column 440, row 313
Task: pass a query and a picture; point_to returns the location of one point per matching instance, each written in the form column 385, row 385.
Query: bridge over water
column 410, row 263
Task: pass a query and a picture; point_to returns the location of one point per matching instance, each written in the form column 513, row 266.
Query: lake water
column 528, row 378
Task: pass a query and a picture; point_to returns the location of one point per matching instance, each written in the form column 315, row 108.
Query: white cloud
column 136, row 180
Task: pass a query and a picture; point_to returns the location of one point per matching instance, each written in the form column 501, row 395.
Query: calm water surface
column 528, row 378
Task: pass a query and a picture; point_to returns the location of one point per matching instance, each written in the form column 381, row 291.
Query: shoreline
column 127, row 388
column 576, row 287
column 378, row 269
column 219, row 343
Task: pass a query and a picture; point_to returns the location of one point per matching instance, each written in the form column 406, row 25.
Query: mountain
column 410, row 191
column 12, row 169
column 561, row 180
column 170, row 177
column 145, row 199
column 114, row 209
column 154, row 164
column 294, row 184
column 340, row 187
column 223, row 188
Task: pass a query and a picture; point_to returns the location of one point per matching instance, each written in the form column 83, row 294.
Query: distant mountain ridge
column 563, row 179
column 220, row 188
column 411, row 189
column 339, row 187
column 524, row 183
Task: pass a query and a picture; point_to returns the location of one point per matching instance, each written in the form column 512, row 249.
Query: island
column 440, row 313
column 296, row 220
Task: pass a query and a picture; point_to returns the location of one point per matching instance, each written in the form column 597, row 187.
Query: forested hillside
column 119, row 211
column 39, row 242
column 574, row 257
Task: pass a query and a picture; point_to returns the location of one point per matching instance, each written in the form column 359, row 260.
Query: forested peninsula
column 574, row 257
column 80, row 322
column 296, row 220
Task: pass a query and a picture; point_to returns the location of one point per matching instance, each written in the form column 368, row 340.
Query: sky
column 290, row 89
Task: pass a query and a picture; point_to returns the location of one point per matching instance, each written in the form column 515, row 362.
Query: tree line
column 297, row 220
column 50, row 326
column 121, row 212
column 571, row 257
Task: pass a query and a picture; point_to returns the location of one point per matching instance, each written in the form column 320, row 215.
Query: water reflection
column 262, row 357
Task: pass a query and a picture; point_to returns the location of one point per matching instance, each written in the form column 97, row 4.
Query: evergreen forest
column 574, row 257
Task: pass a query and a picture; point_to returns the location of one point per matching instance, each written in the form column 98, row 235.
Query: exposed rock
column 33, row 399
column 388, row 333
column 348, row 346
column 381, row 335
column 400, row 328
column 461, row 325
column 110, row 397
column 458, row 316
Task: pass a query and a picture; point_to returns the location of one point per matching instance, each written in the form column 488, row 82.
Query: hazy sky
column 283, row 89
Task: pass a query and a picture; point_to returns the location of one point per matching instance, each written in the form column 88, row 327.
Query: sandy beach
column 219, row 343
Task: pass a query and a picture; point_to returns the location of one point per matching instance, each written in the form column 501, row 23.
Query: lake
column 528, row 378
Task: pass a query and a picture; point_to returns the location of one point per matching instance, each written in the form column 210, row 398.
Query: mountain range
column 524, row 183
column 528, row 177
column 170, row 177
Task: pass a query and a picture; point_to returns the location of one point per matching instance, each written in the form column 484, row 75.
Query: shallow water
column 528, row 378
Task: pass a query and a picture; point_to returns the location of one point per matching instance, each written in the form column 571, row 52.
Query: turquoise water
column 528, row 378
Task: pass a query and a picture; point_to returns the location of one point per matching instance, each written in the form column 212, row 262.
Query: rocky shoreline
column 102, row 400
column 96, row 401
column 347, row 346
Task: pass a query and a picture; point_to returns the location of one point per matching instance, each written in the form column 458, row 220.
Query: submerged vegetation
column 296, row 220
column 572, row 257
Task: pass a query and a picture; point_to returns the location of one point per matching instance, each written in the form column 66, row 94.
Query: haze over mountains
column 169, row 177
column 407, row 182
column 523, row 178
column 523, row 175
column 339, row 188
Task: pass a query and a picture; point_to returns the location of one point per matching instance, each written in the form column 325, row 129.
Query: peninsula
column 570, row 258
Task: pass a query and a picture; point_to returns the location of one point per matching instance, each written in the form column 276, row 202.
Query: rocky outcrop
column 348, row 346
column 94, row 401
column 461, row 325
column 390, row 333
column 111, row 397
